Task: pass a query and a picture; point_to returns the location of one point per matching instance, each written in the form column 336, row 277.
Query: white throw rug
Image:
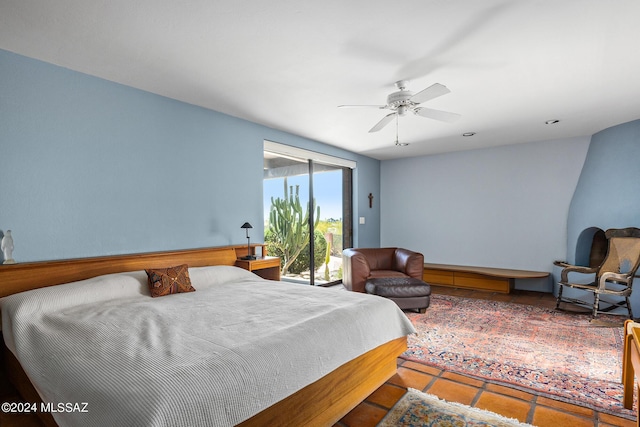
column 417, row 409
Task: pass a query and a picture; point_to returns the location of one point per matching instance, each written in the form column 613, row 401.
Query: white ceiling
column 287, row 64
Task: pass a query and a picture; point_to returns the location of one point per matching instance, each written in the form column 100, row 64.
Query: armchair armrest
column 356, row 270
column 622, row 279
column 410, row 263
column 564, row 275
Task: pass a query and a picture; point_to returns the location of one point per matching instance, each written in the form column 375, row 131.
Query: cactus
column 289, row 225
column 327, row 260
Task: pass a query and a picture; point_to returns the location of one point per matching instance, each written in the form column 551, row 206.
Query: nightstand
column 267, row 267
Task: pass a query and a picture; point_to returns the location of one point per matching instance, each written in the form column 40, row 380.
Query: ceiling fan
column 404, row 100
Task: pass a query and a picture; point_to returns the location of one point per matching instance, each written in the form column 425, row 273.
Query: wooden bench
column 481, row 278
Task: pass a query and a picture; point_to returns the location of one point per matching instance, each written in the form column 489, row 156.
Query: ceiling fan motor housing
column 400, row 101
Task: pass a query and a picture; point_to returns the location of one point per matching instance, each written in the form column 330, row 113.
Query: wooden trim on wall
column 20, row 277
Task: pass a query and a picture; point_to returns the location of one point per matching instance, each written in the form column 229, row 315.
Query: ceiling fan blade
column 382, row 123
column 433, row 91
column 381, row 107
column 437, row 114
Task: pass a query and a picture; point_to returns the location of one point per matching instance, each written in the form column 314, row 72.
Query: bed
column 240, row 350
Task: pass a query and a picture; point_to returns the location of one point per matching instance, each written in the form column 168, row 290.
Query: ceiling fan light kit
column 398, row 143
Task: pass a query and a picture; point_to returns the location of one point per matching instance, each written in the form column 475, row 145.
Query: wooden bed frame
column 321, row 403
column 631, row 365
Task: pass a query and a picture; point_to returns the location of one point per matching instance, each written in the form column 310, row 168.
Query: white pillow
column 206, row 277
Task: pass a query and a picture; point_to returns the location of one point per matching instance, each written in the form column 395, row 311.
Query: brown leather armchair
column 362, row 264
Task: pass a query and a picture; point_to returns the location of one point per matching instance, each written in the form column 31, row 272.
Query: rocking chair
column 614, row 277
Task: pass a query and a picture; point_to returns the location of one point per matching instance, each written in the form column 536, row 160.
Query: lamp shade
column 246, row 225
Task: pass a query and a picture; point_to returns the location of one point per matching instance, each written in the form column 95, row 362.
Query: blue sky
column 327, row 190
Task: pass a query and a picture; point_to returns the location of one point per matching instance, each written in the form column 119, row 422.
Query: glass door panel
column 327, row 192
column 286, row 203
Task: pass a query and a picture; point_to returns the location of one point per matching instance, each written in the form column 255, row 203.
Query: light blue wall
column 607, row 196
column 608, row 192
column 502, row 207
column 89, row 167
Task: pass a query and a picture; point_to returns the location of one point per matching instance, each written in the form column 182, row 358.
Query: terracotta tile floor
column 512, row 403
column 526, row 407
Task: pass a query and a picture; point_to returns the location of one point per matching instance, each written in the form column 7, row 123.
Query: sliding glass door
column 305, row 204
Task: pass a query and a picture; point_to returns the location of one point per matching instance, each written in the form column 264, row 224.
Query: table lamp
column 247, row 226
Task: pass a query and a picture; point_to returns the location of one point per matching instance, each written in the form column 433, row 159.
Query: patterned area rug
column 416, row 409
column 546, row 352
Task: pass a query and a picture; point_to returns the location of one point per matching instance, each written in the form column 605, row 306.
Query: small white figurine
column 7, row 248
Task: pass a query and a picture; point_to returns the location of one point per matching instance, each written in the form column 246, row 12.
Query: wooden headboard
column 21, row 277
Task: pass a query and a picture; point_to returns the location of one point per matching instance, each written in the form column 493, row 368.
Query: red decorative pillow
column 171, row 280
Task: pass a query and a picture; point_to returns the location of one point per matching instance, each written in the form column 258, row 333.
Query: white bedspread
column 213, row 357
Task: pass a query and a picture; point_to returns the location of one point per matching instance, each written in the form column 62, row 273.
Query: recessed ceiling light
column 552, row 122
column 468, row 134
